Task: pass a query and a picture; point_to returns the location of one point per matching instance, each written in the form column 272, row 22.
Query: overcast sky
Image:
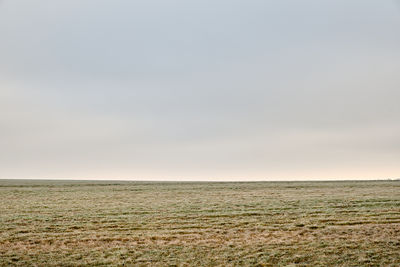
column 200, row 90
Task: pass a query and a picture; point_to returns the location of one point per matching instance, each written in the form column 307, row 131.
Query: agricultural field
column 99, row 223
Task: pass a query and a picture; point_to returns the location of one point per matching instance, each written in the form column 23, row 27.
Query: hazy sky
column 200, row 90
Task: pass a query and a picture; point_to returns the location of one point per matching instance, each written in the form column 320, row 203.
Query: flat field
column 97, row 223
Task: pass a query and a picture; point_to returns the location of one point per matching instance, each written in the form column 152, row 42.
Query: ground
column 98, row 223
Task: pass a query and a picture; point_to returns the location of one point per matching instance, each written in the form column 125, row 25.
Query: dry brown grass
column 48, row 223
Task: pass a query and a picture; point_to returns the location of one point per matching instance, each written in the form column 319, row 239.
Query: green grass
column 79, row 223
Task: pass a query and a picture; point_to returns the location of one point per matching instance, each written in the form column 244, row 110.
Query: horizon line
column 199, row 180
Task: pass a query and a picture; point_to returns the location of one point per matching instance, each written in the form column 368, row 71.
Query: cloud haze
column 199, row 90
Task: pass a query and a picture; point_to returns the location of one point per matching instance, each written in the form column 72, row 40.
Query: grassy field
column 76, row 223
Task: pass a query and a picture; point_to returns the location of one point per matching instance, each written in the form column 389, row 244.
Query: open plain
column 98, row 223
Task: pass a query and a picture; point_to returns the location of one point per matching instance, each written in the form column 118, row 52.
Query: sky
column 200, row 90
